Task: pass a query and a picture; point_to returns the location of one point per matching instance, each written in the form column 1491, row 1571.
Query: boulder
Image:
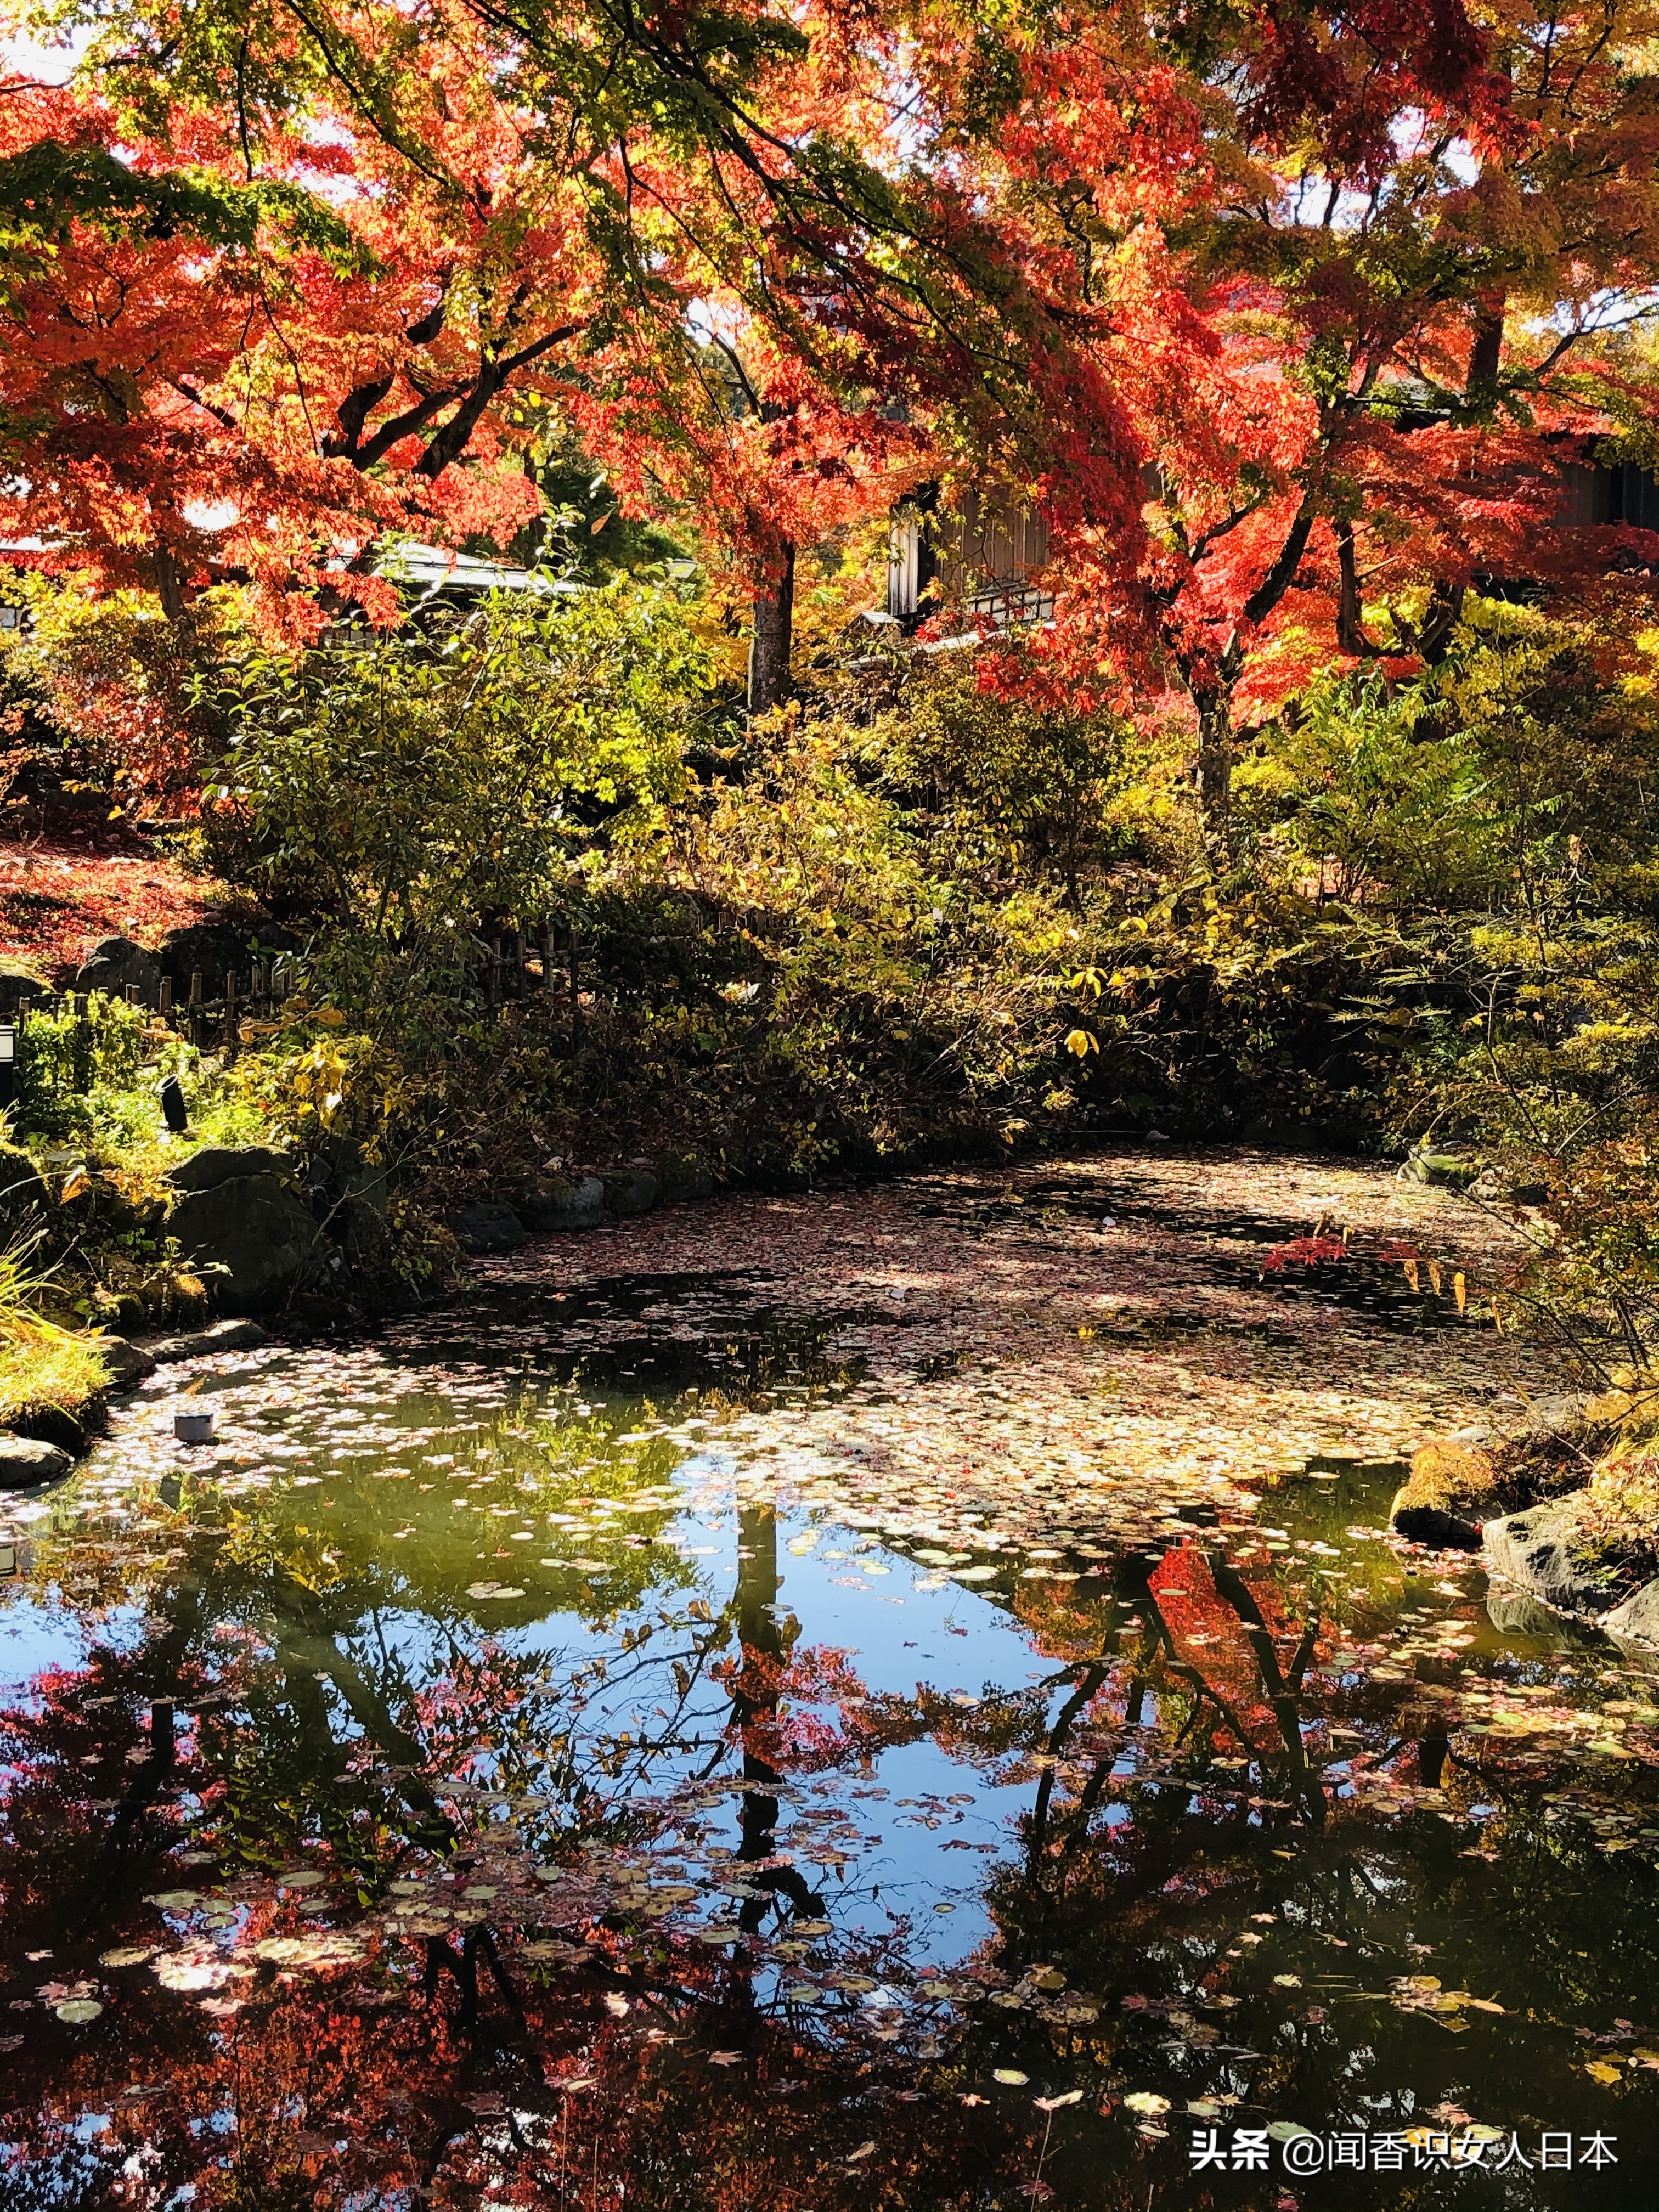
column 684, row 1175
column 1563, row 1425
column 340, row 1168
column 487, row 1227
column 557, row 1203
column 250, row 1239
column 25, row 1201
column 126, row 1364
column 359, row 1227
column 1540, row 1551
column 18, row 986
column 630, row 1190
column 1442, row 1501
column 218, row 1164
column 115, row 965
column 23, row 1463
column 1636, row 1622
column 199, row 1343
column 1439, row 1168
column 1441, row 1530
column 368, row 1185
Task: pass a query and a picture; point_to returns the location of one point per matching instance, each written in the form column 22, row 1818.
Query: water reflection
column 443, row 1790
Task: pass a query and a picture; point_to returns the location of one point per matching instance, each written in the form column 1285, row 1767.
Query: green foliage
column 43, row 1369
column 498, row 764
column 1033, row 776
column 47, row 186
column 93, row 1083
column 585, row 530
column 1356, row 802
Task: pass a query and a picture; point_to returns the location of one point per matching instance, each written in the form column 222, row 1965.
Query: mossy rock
column 561, row 1202
column 684, row 1176
column 1441, row 1168
column 19, row 987
column 1442, row 1500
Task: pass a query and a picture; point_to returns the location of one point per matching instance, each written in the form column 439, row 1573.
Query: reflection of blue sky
column 902, row 1635
column 36, row 1631
column 902, row 1626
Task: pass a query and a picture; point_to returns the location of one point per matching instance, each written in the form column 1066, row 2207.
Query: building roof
column 431, row 569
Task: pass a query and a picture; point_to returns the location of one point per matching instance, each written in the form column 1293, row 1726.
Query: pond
column 901, row 1697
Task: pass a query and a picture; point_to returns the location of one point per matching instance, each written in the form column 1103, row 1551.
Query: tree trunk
column 773, row 635
column 1215, row 765
column 169, row 585
column 1485, row 355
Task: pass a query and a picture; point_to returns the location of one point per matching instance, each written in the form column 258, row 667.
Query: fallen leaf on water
column 1011, row 2076
column 78, row 2010
column 1146, row 2102
column 863, row 2151
column 1598, row 2069
column 1053, row 2104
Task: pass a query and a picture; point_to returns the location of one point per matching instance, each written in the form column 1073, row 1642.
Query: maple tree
column 345, row 270
column 1268, row 317
column 1343, row 291
column 252, row 378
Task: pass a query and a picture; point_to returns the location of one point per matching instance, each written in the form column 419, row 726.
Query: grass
column 49, row 1378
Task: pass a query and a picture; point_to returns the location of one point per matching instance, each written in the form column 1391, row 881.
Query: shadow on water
column 502, row 1771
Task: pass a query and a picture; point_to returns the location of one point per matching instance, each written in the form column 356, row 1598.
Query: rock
column 1441, row 1530
column 1636, row 1620
column 1538, row 1551
column 198, row 1343
column 251, row 1240
column 1436, row 1503
column 488, row 1227
column 218, row 1164
column 17, row 988
column 1512, row 1613
column 23, row 1463
column 369, row 1185
column 126, row 1364
column 358, row 1226
column 556, row 1202
column 25, row 1199
column 341, row 1170
column 1439, row 1168
column 115, row 965
column 71, row 1428
column 630, row 1190
column 685, row 1176
column 1565, row 1430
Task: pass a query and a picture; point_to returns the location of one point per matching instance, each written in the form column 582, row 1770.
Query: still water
column 515, row 1763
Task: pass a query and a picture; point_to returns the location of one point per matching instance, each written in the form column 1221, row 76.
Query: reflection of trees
column 1261, row 1713
column 443, row 2073
column 755, row 1698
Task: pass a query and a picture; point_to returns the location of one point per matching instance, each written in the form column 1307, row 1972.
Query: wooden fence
column 224, row 1012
